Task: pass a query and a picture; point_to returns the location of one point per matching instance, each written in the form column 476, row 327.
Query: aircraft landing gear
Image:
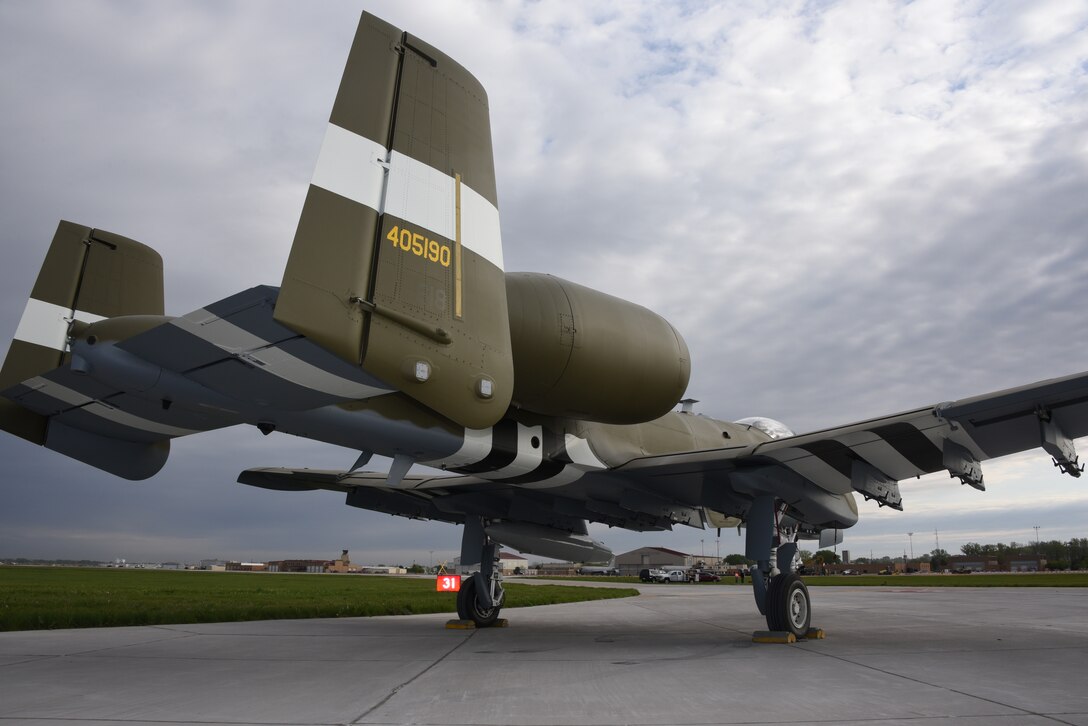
column 788, row 605
column 481, row 595
column 780, row 593
column 469, row 606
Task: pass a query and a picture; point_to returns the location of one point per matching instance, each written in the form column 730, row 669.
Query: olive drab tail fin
column 396, row 264
column 88, row 275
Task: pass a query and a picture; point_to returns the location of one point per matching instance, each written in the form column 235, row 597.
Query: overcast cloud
column 847, row 208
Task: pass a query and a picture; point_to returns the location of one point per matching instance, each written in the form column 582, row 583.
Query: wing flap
column 302, row 480
column 1009, row 421
column 871, row 456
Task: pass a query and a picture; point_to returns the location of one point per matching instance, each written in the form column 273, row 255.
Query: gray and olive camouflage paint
column 397, row 331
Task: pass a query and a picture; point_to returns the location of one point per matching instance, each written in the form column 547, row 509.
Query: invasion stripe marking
column 912, row 444
column 568, row 475
column 356, row 167
column 505, row 453
column 834, row 453
column 475, row 447
column 546, row 470
column 102, row 410
column 812, row 468
column 504, row 449
column 423, row 195
column 528, row 456
column 352, row 166
column 574, row 457
column 887, row 459
column 581, row 454
column 46, row 324
column 879, row 453
column 553, row 459
column 229, row 337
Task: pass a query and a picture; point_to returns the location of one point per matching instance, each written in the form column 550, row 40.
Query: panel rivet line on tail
column 457, row 270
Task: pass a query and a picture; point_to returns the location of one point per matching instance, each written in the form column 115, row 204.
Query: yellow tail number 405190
column 419, row 245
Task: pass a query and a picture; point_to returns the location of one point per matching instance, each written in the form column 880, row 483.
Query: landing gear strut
column 780, row 593
column 481, row 595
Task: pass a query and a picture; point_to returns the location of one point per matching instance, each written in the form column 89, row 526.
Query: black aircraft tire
column 462, row 611
column 788, row 605
column 772, row 603
column 469, row 608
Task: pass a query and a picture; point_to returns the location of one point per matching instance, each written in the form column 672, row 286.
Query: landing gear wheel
column 788, row 605
column 469, row 607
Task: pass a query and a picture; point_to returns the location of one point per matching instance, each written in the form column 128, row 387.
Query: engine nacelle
column 583, row 354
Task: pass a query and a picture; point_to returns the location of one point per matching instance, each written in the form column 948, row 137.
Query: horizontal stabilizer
column 133, row 460
column 88, row 276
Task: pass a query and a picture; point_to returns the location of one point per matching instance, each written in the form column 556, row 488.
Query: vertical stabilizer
column 397, row 261
column 88, row 275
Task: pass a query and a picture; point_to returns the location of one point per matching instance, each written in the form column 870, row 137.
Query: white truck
column 673, row 574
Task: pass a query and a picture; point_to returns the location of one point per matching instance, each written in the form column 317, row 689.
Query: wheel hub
column 798, row 608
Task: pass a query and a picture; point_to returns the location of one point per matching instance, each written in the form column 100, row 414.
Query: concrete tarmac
column 678, row 654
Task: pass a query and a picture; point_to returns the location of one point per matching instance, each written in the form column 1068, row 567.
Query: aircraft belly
column 375, row 430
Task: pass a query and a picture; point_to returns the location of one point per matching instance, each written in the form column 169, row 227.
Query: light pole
column 911, row 536
column 1036, row 528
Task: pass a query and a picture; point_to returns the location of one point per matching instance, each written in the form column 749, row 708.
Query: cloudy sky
column 847, row 208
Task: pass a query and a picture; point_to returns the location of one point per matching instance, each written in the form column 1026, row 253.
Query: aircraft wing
column 809, row 472
column 871, row 456
column 441, row 497
column 545, row 523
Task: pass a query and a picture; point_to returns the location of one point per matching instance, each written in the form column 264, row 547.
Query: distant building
column 246, row 567
column 311, row 566
column 339, row 565
column 342, row 565
column 382, row 570
column 993, row 563
column 846, row 557
column 629, row 563
column 510, row 562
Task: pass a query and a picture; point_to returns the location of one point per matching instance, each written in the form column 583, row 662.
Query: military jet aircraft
column 396, row 331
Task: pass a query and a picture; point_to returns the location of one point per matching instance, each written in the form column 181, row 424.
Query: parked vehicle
column 703, row 576
column 671, row 575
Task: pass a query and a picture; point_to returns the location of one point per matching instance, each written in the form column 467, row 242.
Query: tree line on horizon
column 1071, row 555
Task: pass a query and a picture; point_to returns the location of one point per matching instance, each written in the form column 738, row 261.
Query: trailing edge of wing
column 305, row 480
column 872, row 456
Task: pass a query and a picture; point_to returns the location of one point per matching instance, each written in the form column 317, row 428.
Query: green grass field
column 39, row 598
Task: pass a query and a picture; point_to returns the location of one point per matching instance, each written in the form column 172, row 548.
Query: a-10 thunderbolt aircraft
column 396, row 331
